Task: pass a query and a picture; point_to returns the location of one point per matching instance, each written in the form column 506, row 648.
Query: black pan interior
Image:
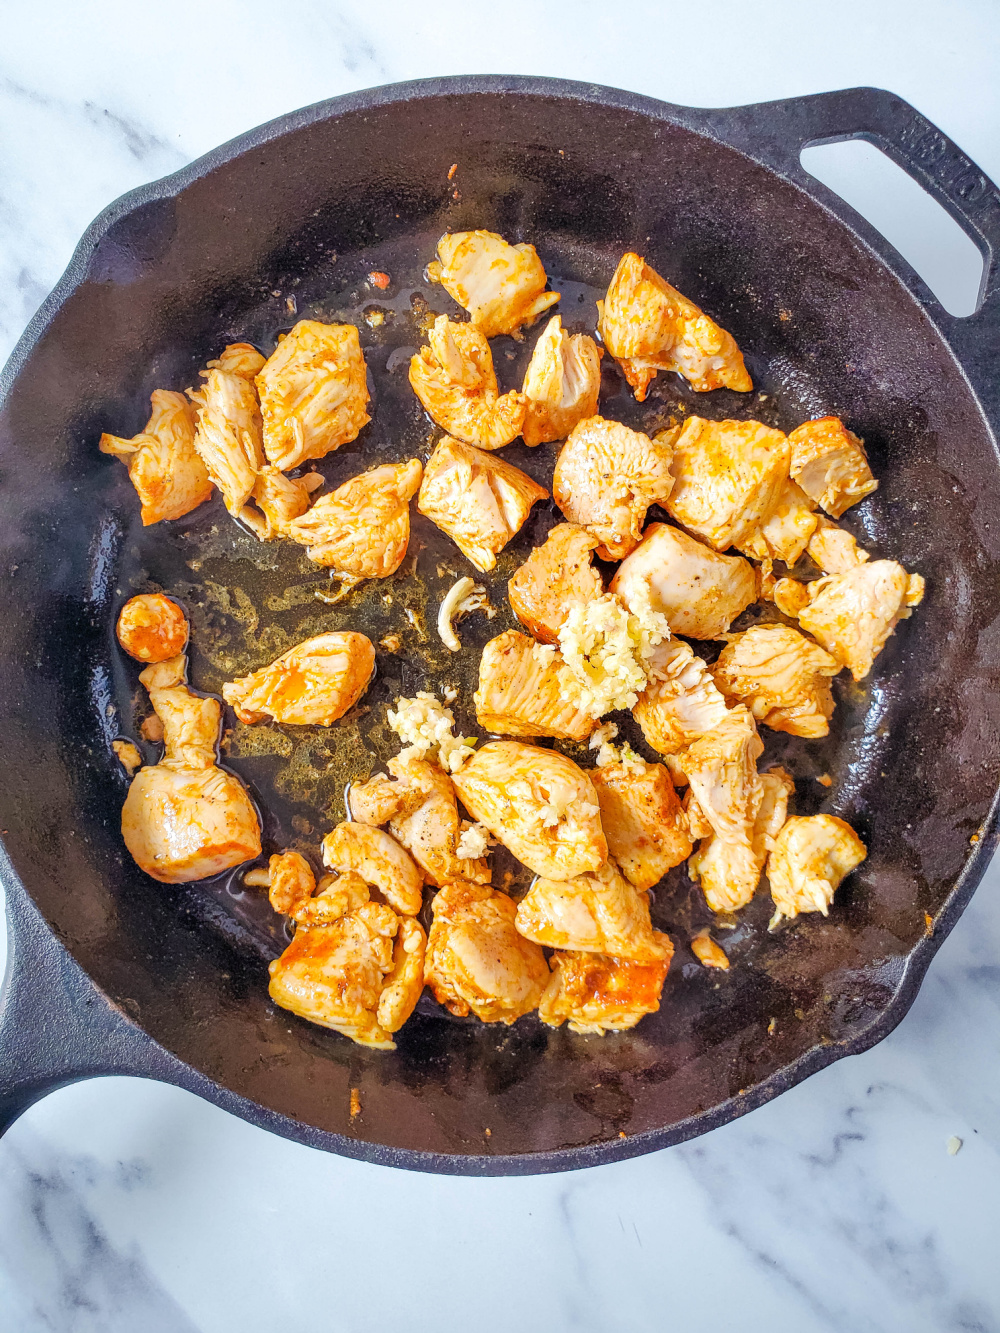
column 292, row 228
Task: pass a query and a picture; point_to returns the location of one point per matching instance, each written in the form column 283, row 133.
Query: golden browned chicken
column 680, row 702
column 521, row 691
column 597, row 913
column 699, row 591
column 228, row 435
column 599, row 994
column 478, row 500
column 476, row 961
column 728, row 476
column 789, row 529
column 163, row 464
column 830, row 464
column 313, row 393
column 127, row 754
column 291, row 887
column 833, row 548
column 555, row 576
column 185, row 818
column 360, row 974
column 721, row 767
column 852, row 614
column 606, row 477
column 501, row 285
column 455, row 381
column 811, row 856
column 642, row 819
column 707, row 952
column 312, row 684
column 152, row 628
column 648, row 326
column 363, row 527
column 379, row 860
column 781, row 676
column 278, row 500
column 539, row 804
column 729, row 872
column 562, row 383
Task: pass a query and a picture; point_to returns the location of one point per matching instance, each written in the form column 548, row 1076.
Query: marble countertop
column 128, row 1206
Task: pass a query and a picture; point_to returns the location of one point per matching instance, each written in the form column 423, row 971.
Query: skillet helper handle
column 56, row 1027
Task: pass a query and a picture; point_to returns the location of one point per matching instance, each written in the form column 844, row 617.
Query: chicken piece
column 598, row 913
column 812, row 855
column 185, row 818
column 707, row 952
column 455, row 381
column 539, row 804
column 680, row 702
column 478, row 500
column 312, row 684
column 313, row 393
column 290, row 882
column 554, row 577
column 127, row 754
column 502, row 286
column 228, row 435
column 163, row 465
column 379, row 860
column 291, row 887
column 376, row 801
column 477, row 961
column 648, row 326
column 520, row 691
column 852, row 615
column 781, row 676
column 699, row 591
column 427, row 822
column 729, row 872
column 830, row 464
column 278, row 501
column 360, row 975
column 599, row 994
column 152, row 628
column 833, row 549
column 562, row 384
column 728, row 477
column 363, row 527
column 607, row 476
column 721, row 767
column 642, row 819
column 788, row 531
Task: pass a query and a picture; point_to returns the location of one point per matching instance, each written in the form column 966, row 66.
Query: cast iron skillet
column 110, row 973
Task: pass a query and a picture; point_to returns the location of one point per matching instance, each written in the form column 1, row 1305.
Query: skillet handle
column 56, row 1027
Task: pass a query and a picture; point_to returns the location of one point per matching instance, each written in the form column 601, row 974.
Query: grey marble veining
column 130, row 1206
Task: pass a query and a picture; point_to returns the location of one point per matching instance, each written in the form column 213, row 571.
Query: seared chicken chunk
column 291, row 887
column 680, row 702
column 562, row 383
column 363, row 527
column 830, row 464
column 852, row 614
column 597, row 913
column 642, row 819
column 788, row 531
column 729, row 872
column 379, row 860
column 728, row 476
column 312, row 684
column 455, row 381
column 360, row 975
column 554, row 577
column 477, row 961
column 152, row 628
column 599, row 994
column 520, row 693
column 781, row 676
column 833, row 549
column 539, row 804
column 721, row 767
column 605, row 479
column 707, row 952
column 228, row 436
column 279, row 500
column 313, row 393
column 163, row 464
column 426, row 820
column 478, row 500
column 811, row 856
column 699, row 591
column 185, row 818
column 648, row 326
column 501, row 285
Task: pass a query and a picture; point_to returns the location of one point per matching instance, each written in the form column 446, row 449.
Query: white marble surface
column 128, row 1207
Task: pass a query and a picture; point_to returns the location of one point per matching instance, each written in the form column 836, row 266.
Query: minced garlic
column 606, row 649
column 607, row 753
column 475, row 841
column 426, row 726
